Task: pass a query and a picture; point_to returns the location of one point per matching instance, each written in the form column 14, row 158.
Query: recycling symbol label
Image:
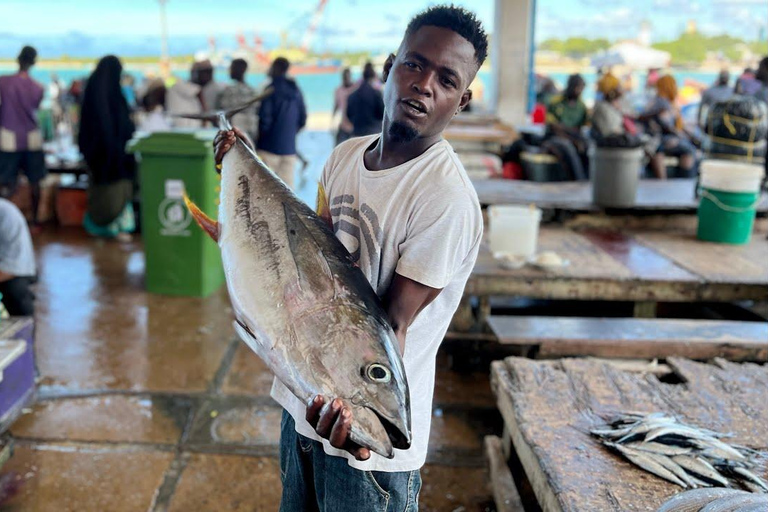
column 174, row 217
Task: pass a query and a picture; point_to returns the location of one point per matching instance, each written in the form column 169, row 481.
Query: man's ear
column 465, row 99
column 388, row 66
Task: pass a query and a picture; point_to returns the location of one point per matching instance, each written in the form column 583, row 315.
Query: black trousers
column 18, row 298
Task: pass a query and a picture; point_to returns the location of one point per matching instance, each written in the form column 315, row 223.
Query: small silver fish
column 751, row 477
column 700, row 467
column 648, row 463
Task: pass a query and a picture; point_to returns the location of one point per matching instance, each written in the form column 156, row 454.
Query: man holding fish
column 403, row 207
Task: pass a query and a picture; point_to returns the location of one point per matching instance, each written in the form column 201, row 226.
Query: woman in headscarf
column 105, row 128
column 663, row 118
column 607, row 116
column 610, row 120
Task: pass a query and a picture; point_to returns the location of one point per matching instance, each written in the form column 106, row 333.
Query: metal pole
column 165, row 64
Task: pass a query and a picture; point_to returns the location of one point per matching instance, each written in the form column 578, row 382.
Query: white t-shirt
column 422, row 220
column 17, row 256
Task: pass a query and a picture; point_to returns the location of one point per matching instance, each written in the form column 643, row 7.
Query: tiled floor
column 150, row 403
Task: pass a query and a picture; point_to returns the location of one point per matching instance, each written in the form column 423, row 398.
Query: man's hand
column 224, row 141
column 333, row 424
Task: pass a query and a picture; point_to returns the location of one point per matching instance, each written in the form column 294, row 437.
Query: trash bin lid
column 187, row 142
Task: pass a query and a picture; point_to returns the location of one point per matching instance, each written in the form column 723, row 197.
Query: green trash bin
column 181, row 259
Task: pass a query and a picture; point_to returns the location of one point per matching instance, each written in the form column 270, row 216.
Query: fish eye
column 378, row 373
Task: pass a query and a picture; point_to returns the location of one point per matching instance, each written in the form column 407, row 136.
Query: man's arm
column 404, row 300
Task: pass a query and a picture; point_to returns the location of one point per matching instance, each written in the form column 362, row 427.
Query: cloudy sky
column 86, row 27
column 617, row 19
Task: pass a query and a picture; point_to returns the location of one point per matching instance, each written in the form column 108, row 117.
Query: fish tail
column 323, row 210
column 221, row 118
column 208, row 225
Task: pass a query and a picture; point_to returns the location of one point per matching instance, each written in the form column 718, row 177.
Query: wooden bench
column 633, row 338
column 505, row 494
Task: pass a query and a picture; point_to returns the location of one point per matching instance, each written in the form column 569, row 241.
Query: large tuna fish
column 303, row 306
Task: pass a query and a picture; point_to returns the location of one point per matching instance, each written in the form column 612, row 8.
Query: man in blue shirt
column 281, row 115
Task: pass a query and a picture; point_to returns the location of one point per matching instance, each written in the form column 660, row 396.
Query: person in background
column 545, row 89
column 762, row 94
column 747, row 84
column 610, row 120
column 210, row 89
column 105, row 128
column 566, row 115
column 21, row 142
column 281, row 115
column 651, row 79
column 153, row 117
column 56, row 95
column 128, row 86
column 340, row 97
column 17, row 261
column 761, row 76
column 663, row 119
column 236, row 94
column 365, row 107
column 186, row 97
column 720, row 91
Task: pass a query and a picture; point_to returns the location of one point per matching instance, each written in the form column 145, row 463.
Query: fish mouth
column 400, row 437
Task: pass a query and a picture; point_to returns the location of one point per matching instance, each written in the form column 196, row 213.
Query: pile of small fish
column 716, row 500
column 682, row 454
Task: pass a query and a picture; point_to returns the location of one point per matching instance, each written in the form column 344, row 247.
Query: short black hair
column 455, row 18
column 280, row 66
column 27, row 57
column 238, row 68
column 368, row 71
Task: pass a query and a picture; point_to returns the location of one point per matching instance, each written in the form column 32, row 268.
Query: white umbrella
column 632, row 55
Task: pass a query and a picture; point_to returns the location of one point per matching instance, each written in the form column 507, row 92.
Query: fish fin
column 221, row 118
column 308, row 257
column 209, row 225
column 323, row 210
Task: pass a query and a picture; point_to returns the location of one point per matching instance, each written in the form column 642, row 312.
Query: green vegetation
column 688, row 49
column 692, row 48
column 575, row 47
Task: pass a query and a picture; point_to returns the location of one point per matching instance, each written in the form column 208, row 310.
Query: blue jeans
column 317, row 482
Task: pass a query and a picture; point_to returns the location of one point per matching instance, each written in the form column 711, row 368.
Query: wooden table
column 671, row 196
column 549, row 407
column 496, row 134
column 642, row 267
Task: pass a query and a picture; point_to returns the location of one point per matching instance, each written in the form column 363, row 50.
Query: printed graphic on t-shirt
column 349, row 227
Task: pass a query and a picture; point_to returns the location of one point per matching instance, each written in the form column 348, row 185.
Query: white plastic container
column 514, row 230
column 728, row 176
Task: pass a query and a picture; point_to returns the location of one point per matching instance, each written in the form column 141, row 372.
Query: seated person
column 566, row 115
column 610, row 121
column 663, row 118
column 17, row 261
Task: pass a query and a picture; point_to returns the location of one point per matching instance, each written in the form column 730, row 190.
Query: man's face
column 426, row 83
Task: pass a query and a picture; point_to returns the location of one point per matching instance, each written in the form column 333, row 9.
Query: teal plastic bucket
column 726, row 217
column 730, row 192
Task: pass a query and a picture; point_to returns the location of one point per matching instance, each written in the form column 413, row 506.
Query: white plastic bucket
column 728, row 176
column 514, row 230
